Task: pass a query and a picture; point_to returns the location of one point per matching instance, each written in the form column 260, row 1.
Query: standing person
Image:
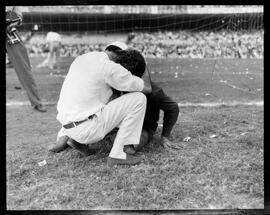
column 157, row 100
column 19, row 57
column 87, row 115
column 53, row 41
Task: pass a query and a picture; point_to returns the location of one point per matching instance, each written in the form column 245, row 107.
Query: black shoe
column 129, row 149
column 17, row 87
column 82, row 148
column 40, row 108
column 60, row 145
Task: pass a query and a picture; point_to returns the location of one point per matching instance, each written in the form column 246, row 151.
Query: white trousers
column 126, row 112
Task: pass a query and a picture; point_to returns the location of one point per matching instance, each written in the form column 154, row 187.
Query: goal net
column 158, row 31
column 181, row 43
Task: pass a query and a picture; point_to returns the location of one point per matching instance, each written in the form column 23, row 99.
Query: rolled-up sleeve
column 121, row 79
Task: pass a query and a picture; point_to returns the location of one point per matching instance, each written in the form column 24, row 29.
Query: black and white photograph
column 134, row 107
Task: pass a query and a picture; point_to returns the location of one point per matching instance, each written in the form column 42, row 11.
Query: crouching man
column 87, row 115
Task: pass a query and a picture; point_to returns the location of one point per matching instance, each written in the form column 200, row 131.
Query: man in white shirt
column 53, row 41
column 87, row 115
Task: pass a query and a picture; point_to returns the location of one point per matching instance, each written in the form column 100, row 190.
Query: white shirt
column 87, row 86
column 53, row 37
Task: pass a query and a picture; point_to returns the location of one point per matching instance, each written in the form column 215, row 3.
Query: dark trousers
column 19, row 58
column 156, row 102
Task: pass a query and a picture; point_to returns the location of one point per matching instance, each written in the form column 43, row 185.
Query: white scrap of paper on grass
column 213, row 136
column 42, row 163
column 186, row 139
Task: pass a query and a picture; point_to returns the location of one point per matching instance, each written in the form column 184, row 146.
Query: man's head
column 132, row 60
column 116, row 46
column 113, row 49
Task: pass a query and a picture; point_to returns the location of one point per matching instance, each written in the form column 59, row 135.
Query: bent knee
column 176, row 108
column 140, row 97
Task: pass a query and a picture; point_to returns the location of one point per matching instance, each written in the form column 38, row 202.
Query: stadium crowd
column 178, row 44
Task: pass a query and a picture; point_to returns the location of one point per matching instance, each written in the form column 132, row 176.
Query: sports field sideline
column 186, row 80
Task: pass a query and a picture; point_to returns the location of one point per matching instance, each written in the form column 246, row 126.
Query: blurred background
column 159, row 31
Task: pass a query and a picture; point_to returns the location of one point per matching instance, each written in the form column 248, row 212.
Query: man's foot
column 9, row 65
column 167, row 144
column 129, row 149
column 40, row 108
column 60, row 145
column 130, row 160
column 18, row 87
column 82, row 148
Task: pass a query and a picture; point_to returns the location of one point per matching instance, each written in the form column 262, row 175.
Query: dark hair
column 133, row 61
column 113, row 48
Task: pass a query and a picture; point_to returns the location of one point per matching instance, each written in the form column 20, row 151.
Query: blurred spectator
column 180, row 44
column 53, row 42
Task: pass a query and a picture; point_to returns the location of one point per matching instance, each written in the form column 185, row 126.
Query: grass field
column 222, row 172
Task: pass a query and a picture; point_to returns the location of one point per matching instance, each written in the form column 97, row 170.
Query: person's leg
column 19, row 57
column 44, row 63
column 57, row 56
column 171, row 112
column 144, row 139
column 126, row 112
column 50, row 55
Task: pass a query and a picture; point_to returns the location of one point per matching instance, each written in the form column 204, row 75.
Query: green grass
column 222, row 172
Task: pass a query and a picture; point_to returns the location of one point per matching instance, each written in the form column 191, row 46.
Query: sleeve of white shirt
column 121, row 79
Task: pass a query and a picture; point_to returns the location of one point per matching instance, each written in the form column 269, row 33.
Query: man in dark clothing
column 157, row 100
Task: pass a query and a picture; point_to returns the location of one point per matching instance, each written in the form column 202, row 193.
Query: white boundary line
column 217, row 104
column 187, row 104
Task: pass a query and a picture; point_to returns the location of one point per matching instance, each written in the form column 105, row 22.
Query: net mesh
column 157, row 31
column 170, row 37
